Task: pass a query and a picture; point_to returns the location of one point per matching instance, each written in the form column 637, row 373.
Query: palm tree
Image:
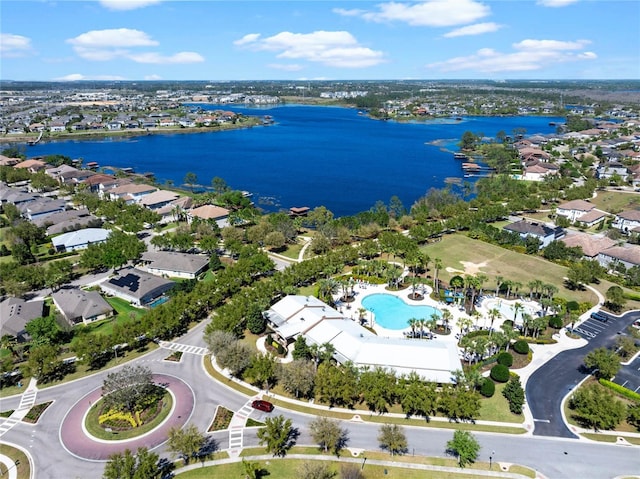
column 494, row 313
column 509, row 334
column 446, row 317
column 516, row 286
column 421, row 324
column 361, row 313
column 437, row 266
column 464, row 323
column 413, row 322
column 527, row 321
column 432, row 323
column 499, row 283
column 517, row 307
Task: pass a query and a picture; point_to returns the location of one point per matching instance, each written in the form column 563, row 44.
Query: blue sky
column 319, row 40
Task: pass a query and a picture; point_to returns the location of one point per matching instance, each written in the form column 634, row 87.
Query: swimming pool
column 506, row 309
column 392, row 312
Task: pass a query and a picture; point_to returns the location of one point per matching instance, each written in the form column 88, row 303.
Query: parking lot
column 591, row 328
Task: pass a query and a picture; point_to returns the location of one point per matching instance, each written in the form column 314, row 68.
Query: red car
column 261, row 405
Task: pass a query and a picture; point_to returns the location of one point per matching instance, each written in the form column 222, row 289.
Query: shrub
column 488, row 388
column 521, row 347
column 515, row 395
column 506, row 359
column 500, row 373
column 628, row 393
column 556, row 322
column 479, row 332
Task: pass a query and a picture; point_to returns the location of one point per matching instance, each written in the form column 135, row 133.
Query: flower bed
column 36, row 411
column 221, row 420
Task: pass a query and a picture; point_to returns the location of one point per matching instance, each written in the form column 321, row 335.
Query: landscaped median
column 373, row 464
column 486, row 425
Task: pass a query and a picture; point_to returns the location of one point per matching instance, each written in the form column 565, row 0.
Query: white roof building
column 434, row 361
column 80, row 239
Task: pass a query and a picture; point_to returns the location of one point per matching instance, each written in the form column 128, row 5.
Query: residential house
column 68, row 220
column 542, row 232
column 611, row 169
column 174, row 211
column 32, row 165
column 81, row 239
column 627, row 256
column 57, row 126
column 574, row 210
column 210, row 213
column 131, row 193
column 41, row 208
column 539, row 171
column 591, row 245
column 6, row 161
column 15, row 313
column 79, row 306
column 174, row 264
column 627, row 221
column 136, row 286
column 158, row 199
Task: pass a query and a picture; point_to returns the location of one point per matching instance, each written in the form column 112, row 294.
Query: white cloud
column 116, row 37
column 286, row 67
column 127, row 4
column 105, row 45
column 153, row 57
column 476, row 29
column 335, row 49
column 152, row 77
column 432, row 13
column 248, row 38
column 80, row 77
column 14, row 46
column 528, row 55
column 555, row 3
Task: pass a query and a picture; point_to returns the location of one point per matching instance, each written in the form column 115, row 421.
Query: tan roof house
column 627, row 256
column 591, row 245
column 627, row 221
column 210, row 212
column 32, row 165
column 573, row 210
column 131, row 193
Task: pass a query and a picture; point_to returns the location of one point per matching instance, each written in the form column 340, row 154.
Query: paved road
column 548, row 385
column 582, row 458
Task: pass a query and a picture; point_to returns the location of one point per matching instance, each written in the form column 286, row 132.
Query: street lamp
column 491, row 459
column 364, row 459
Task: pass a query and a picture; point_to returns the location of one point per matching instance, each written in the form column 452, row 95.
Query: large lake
column 310, row 156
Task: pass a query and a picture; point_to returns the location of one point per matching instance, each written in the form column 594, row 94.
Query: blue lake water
column 311, row 156
column 392, row 312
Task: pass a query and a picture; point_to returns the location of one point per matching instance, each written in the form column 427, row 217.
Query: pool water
column 392, row 312
column 158, row 301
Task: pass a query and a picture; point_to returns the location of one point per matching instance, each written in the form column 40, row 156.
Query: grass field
column 616, row 201
column 23, row 468
column 493, row 261
column 285, row 468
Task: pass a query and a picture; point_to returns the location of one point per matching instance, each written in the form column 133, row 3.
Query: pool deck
column 363, row 290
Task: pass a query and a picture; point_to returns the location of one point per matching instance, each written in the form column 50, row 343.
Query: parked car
column 261, row 405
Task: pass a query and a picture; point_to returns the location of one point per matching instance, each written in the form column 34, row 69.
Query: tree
column 256, row 322
column 515, row 395
column 124, row 465
column 277, row 435
column 315, row 470
column 392, row 438
column 328, row 434
column 605, row 362
column 236, row 357
column 186, row 442
column 301, row 349
column 298, row 377
column 129, row 390
column 43, row 330
column 262, row 369
column 43, row 363
column 190, row 179
column 615, row 298
column 465, row 446
column 596, row 407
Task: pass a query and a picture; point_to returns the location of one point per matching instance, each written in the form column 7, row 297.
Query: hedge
column 521, row 346
column 628, row 393
column 488, row 388
column 506, row 359
column 479, row 332
column 556, row 322
column 500, row 373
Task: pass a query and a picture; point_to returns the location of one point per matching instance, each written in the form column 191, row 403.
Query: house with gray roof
column 545, row 234
column 79, row 306
column 15, row 313
column 174, row 264
column 41, row 208
column 81, row 239
column 137, row 287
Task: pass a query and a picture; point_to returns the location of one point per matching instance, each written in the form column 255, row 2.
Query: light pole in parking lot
column 491, row 459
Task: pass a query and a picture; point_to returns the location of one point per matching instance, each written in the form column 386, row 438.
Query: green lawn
column 496, row 408
column 287, row 468
column 495, row 261
column 615, row 201
column 23, row 467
